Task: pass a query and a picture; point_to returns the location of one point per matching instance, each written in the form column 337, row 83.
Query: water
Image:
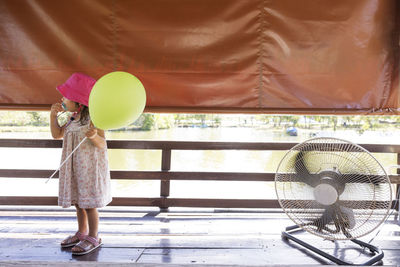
column 150, row 160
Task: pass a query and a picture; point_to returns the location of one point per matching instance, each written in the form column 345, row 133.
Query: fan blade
column 302, row 173
column 347, row 215
column 335, row 215
column 325, row 219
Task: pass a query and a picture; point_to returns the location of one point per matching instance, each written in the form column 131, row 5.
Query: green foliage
column 148, row 122
column 216, row 121
column 163, row 121
column 39, row 118
column 294, row 120
column 23, row 118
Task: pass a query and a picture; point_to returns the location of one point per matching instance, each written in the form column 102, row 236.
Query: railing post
column 397, row 186
column 165, row 184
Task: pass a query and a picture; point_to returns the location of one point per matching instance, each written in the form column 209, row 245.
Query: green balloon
column 117, row 99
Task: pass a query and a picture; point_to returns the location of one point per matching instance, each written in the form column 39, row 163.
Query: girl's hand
column 56, row 108
column 92, row 132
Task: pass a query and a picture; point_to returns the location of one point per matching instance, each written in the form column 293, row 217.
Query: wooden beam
column 156, row 202
column 168, row 175
column 165, row 183
column 32, row 143
column 179, row 202
column 186, row 145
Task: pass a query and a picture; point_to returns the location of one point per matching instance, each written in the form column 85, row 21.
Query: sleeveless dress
column 85, row 178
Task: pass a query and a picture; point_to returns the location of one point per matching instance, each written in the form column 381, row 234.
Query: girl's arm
column 96, row 136
column 56, row 131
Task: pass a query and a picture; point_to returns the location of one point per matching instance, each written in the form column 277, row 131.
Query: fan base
column 378, row 254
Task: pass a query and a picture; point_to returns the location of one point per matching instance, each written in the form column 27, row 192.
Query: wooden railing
column 165, row 175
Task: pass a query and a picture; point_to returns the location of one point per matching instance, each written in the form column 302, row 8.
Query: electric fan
column 334, row 189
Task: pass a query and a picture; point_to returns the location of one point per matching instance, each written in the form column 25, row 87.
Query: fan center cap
column 325, row 194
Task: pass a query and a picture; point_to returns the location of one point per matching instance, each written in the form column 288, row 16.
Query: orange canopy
column 276, row 56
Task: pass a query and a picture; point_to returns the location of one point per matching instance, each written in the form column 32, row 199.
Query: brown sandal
column 87, row 245
column 72, row 240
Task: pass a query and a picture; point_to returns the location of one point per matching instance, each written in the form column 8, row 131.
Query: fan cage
column 362, row 206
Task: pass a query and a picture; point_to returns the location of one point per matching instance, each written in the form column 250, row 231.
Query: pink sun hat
column 77, row 88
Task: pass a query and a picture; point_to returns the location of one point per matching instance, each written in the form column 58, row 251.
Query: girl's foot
column 72, row 240
column 87, row 245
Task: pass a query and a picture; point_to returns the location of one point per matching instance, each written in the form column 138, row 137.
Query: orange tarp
column 276, row 56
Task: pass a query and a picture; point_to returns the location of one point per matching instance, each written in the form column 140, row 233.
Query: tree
column 38, row 118
column 335, row 121
column 293, row 120
column 216, row 121
column 148, row 122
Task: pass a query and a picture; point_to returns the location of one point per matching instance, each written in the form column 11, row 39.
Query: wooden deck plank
column 175, row 237
column 37, row 253
column 223, row 256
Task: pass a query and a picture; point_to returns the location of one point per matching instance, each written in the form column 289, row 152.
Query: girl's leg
column 93, row 219
column 82, row 218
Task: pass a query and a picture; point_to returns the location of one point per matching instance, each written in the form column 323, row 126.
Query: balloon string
column 66, row 159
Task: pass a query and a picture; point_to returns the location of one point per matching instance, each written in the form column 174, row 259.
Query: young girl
column 84, row 180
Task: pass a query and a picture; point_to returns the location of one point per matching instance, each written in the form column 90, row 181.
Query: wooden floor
column 178, row 237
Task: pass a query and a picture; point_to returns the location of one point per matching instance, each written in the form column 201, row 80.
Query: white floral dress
column 85, row 178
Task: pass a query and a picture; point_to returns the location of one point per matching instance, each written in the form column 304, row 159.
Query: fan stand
column 288, row 234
